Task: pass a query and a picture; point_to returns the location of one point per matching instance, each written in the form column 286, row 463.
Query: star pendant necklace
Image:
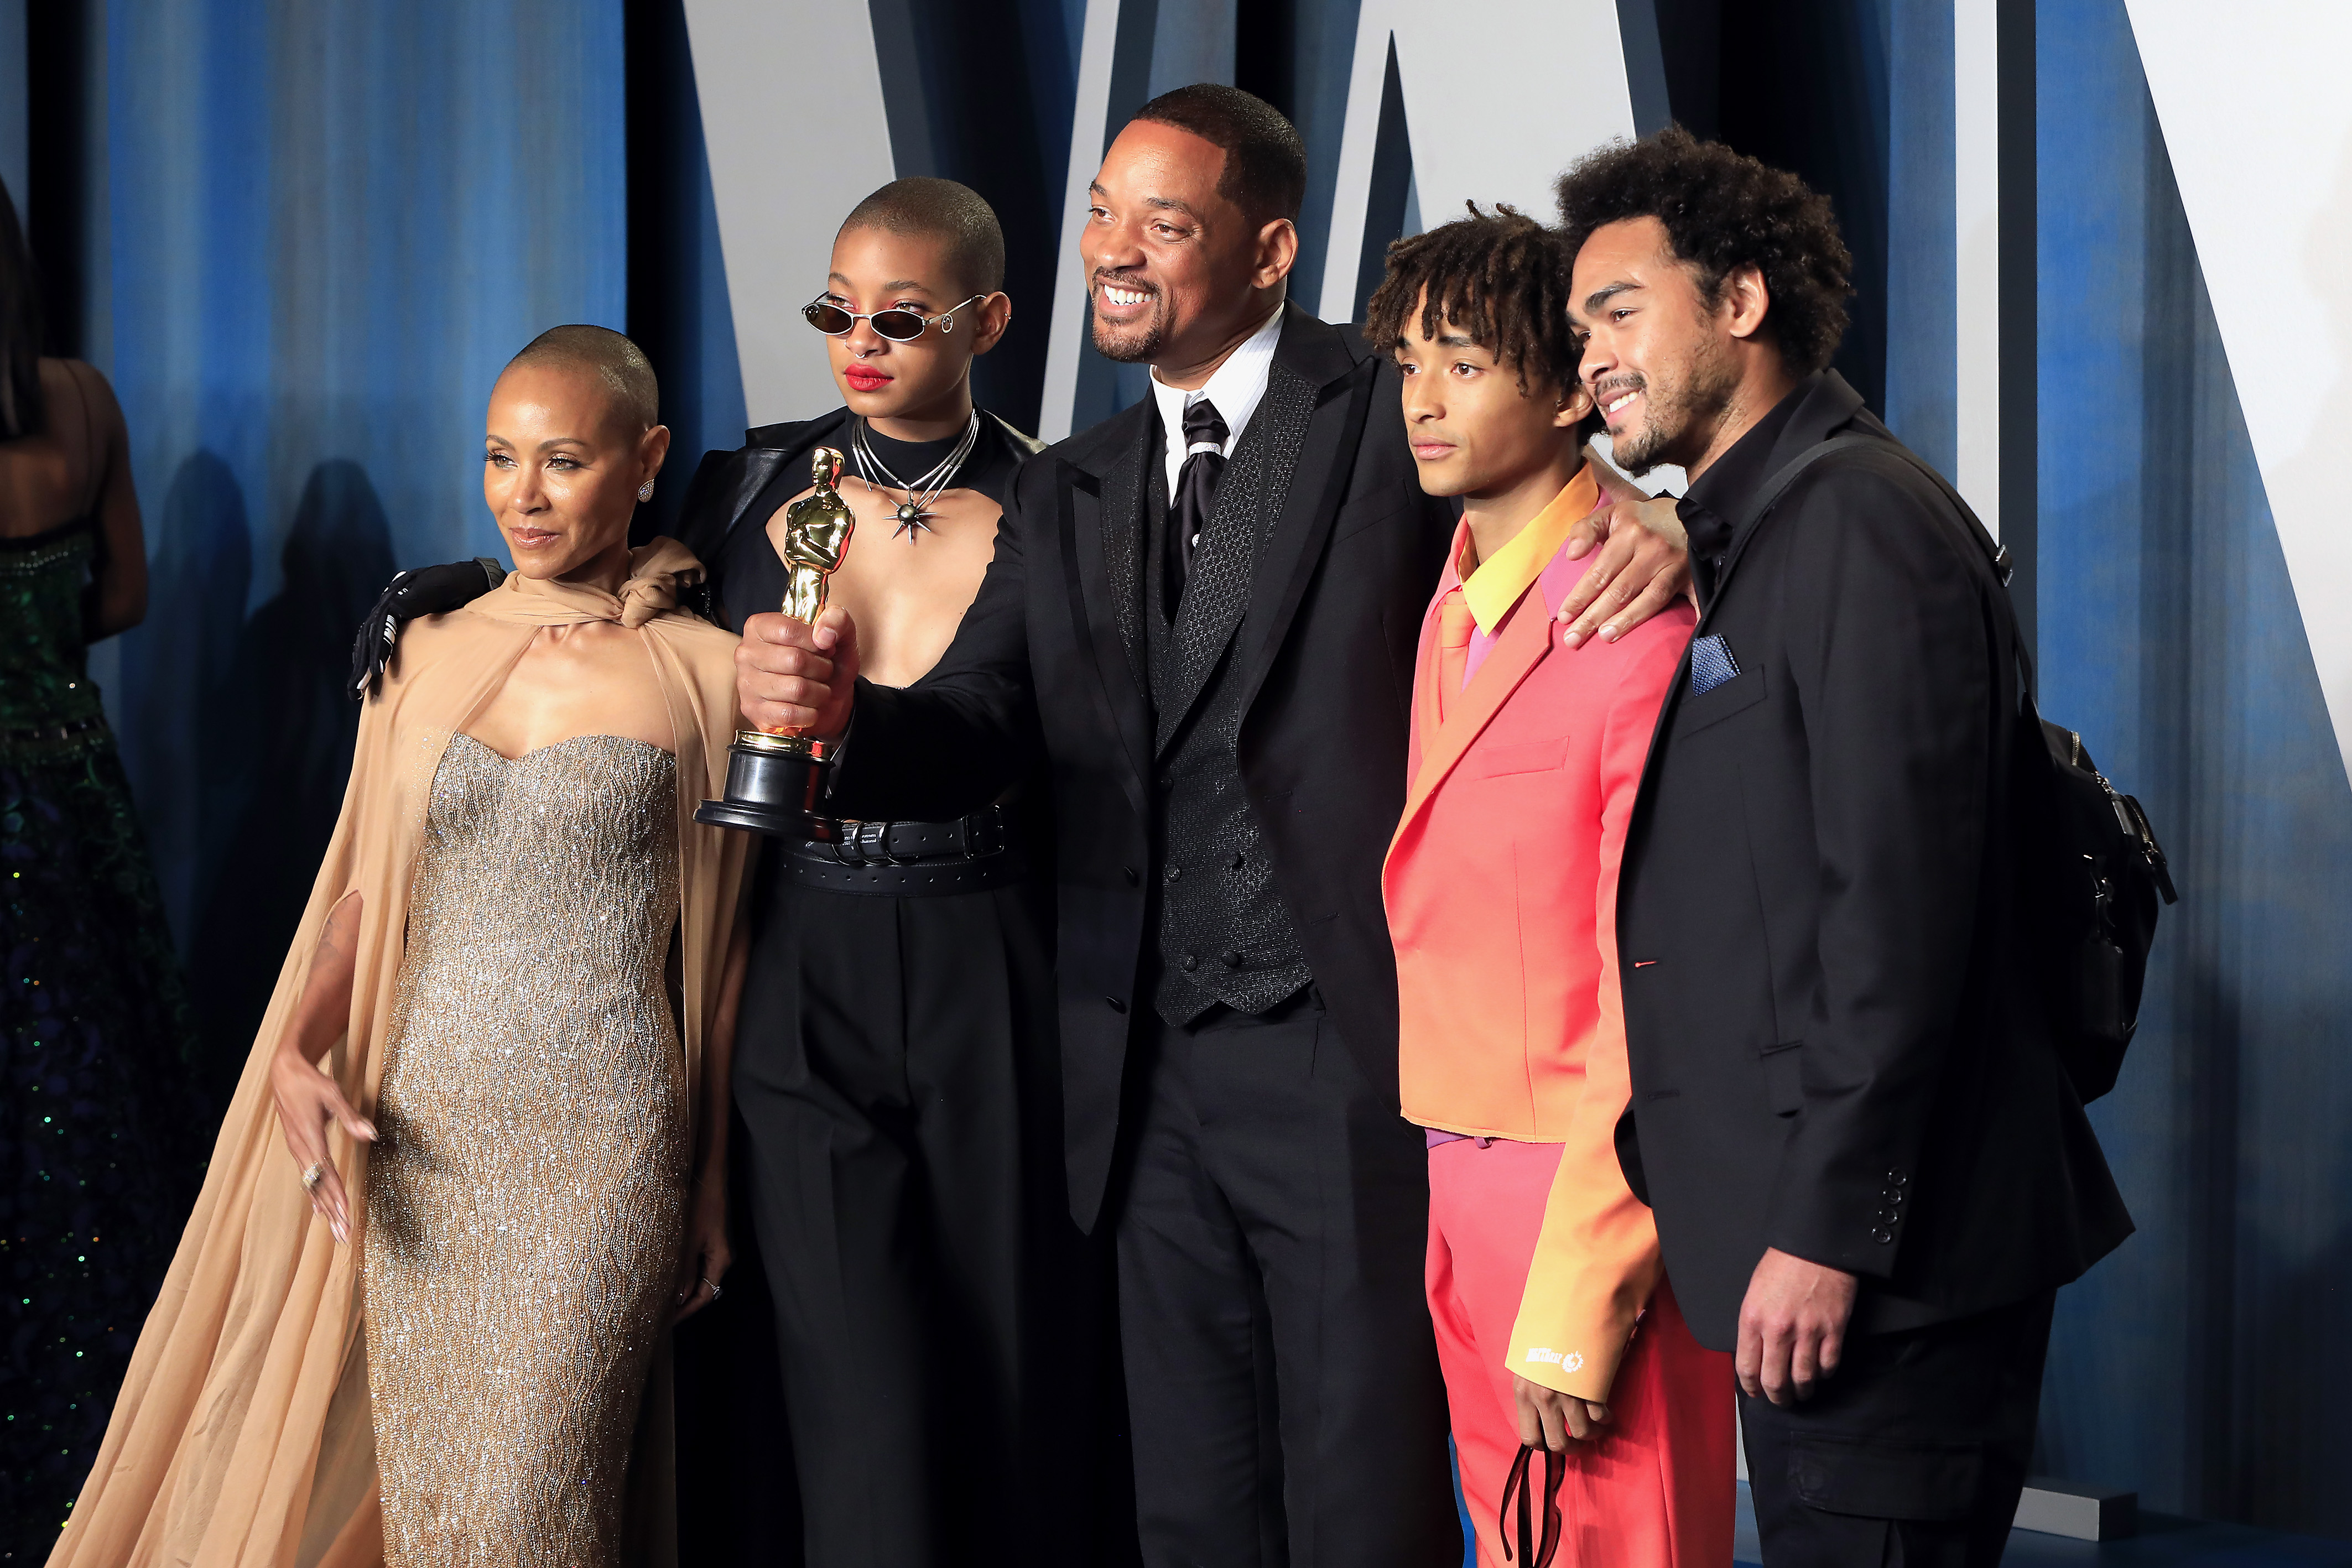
column 914, row 513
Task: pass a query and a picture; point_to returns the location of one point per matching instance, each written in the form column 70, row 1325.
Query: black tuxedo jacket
column 1835, row 1048
column 1336, row 598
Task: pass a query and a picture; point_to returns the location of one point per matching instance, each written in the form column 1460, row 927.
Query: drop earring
column 645, row 491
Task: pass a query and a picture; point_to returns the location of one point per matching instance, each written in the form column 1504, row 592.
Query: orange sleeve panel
column 1596, row 1261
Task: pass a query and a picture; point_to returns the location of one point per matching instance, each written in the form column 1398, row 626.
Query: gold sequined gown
column 527, row 1195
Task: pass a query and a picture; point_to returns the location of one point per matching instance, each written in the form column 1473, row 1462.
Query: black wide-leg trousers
column 1912, row 1455
column 1281, row 1372
column 942, row 1326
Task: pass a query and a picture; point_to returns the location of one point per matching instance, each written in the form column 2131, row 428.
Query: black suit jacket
column 1835, row 1048
column 1335, row 603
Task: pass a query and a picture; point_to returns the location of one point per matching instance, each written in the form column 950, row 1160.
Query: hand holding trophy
column 775, row 778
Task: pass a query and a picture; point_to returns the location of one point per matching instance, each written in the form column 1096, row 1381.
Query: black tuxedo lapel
column 1102, row 538
column 1123, row 534
column 726, row 484
column 1337, row 388
column 1249, row 501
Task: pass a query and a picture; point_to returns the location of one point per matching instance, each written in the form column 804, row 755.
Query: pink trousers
column 1654, row 1492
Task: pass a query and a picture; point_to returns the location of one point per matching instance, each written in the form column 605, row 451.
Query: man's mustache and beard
column 1675, row 412
column 1129, row 344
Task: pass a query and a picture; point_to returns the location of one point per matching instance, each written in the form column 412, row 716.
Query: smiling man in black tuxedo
column 1870, row 1171
column 1203, row 611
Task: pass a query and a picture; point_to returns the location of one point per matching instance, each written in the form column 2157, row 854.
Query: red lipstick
column 866, row 378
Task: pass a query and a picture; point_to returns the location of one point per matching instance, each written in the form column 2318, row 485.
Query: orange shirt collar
column 1499, row 583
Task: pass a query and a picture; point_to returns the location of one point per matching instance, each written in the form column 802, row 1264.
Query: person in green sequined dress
column 100, row 1139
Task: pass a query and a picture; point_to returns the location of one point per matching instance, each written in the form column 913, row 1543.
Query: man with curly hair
column 1869, row 1170
column 1555, row 1329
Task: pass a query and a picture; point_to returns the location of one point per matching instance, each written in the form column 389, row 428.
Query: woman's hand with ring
column 702, row 1261
column 306, row 1101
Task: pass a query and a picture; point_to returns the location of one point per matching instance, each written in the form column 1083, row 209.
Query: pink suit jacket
column 1501, row 885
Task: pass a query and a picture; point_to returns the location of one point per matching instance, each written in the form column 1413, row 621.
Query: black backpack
column 2089, row 870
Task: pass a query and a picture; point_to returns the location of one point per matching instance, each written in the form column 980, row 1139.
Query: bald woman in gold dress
column 424, row 1339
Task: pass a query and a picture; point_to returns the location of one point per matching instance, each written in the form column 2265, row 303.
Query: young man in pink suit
column 1556, row 1326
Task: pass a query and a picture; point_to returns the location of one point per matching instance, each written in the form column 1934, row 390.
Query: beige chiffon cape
column 242, row 1437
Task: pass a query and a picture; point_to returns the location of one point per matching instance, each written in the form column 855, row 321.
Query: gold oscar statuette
column 817, row 536
column 774, row 780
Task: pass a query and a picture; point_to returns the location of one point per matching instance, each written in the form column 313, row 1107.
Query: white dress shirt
column 1234, row 387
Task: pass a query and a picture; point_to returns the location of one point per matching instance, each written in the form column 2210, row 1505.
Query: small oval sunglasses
column 899, row 326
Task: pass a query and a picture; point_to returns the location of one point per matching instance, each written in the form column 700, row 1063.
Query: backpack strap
column 1995, row 553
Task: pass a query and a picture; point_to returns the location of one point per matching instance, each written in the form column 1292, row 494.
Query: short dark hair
column 1501, row 276
column 1265, row 162
column 956, row 213
column 618, row 362
column 1722, row 210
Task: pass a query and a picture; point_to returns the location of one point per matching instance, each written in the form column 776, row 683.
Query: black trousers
column 1912, row 1456
column 943, row 1329
column 1282, row 1375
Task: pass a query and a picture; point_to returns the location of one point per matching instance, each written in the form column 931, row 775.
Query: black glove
column 427, row 590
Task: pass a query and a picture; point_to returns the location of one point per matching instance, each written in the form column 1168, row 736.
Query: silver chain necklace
column 914, row 513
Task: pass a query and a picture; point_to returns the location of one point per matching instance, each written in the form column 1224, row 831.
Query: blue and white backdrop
column 2101, row 247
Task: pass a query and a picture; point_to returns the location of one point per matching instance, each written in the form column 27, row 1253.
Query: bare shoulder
column 78, row 384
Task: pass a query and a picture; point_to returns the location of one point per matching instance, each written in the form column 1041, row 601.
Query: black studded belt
column 970, row 854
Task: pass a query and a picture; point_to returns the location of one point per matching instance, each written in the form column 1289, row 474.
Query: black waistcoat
column 1225, row 934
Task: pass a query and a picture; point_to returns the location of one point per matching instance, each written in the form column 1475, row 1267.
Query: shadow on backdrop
column 177, row 679
column 279, row 744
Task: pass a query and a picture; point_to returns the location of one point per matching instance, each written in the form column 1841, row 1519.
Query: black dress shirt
column 1719, row 495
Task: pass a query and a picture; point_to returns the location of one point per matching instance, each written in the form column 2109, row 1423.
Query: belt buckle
column 870, row 841
column 983, row 833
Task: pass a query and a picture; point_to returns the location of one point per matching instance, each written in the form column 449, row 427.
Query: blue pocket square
column 1711, row 664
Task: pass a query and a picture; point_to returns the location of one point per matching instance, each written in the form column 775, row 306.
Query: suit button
column 1172, row 873
column 1128, row 871
column 1882, row 1236
column 1230, row 959
column 1114, row 1004
column 1192, row 962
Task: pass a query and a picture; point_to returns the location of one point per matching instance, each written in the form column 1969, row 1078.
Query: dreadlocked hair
column 1499, row 277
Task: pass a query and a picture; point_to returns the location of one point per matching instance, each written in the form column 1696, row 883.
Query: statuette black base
column 774, row 784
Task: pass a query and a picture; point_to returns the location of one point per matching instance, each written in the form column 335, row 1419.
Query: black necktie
column 1195, row 497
